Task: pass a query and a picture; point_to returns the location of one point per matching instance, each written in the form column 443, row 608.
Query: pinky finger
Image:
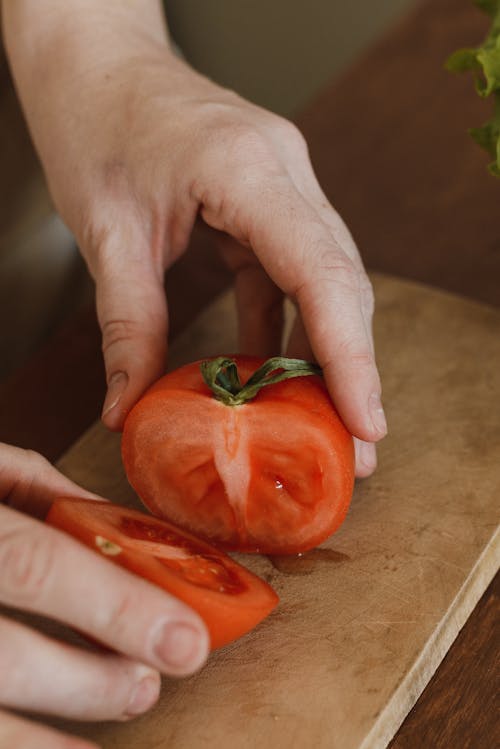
column 25, row 734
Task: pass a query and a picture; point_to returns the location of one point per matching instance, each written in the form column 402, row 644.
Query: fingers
column 24, row 734
column 88, row 686
column 298, row 346
column 259, row 301
column 306, row 183
column 365, row 452
column 46, row 571
column 30, row 483
column 304, row 179
column 333, row 317
column 132, row 313
column 366, row 458
column 305, row 248
column 302, row 256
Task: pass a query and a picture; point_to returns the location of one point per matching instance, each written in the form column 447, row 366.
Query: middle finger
column 45, row 571
column 51, row 677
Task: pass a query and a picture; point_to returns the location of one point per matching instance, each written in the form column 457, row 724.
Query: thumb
column 132, row 313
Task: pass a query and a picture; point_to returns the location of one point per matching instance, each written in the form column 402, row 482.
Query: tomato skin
column 274, row 475
column 229, row 598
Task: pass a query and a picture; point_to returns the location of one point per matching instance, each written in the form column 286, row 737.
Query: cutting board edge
column 419, row 675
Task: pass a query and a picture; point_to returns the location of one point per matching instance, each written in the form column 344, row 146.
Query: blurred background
column 277, row 54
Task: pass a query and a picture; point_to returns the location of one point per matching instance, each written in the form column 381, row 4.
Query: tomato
column 229, row 598
column 272, row 472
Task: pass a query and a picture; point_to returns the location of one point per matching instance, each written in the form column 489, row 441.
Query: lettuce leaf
column 488, row 137
column 484, row 63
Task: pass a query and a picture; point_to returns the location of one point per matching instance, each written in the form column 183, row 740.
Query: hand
column 48, row 573
column 135, row 146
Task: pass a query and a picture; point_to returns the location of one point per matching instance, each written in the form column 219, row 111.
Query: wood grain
column 420, row 206
column 459, row 707
column 354, row 641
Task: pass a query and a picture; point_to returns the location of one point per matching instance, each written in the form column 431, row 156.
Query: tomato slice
column 229, row 598
column 274, row 475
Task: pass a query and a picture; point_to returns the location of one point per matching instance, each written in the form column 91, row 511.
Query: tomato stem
column 221, row 376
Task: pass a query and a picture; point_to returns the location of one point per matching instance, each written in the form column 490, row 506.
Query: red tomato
column 229, row 598
column 273, row 475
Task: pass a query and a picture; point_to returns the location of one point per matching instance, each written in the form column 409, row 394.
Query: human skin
column 47, row 572
column 136, row 147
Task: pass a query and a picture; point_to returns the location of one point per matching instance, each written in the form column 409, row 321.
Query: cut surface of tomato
column 229, row 598
column 271, row 475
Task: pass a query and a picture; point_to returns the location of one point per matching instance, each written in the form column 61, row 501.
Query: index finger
column 301, row 254
column 43, row 570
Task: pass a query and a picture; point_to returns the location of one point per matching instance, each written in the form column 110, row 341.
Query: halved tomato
column 229, row 598
column 251, row 455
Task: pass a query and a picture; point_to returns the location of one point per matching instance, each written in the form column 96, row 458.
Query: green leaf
column 463, row 60
column 484, row 63
column 484, row 137
column 489, row 60
column 488, row 137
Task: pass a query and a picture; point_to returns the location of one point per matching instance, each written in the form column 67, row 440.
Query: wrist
column 55, row 45
column 32, row 28
column 65, row 54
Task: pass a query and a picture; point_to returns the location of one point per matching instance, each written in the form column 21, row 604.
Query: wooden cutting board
column 363, row 624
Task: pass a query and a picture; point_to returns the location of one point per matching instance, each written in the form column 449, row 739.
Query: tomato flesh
column 274, row 475
column 229, row 598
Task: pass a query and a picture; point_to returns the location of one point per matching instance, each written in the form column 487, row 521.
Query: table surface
column 388, row 142
column 363, row 623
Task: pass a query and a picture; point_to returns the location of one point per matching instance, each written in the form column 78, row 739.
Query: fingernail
column 181, row 647
column 377, row 414
column 144, row 696
column 367, row 455
column 116, row 387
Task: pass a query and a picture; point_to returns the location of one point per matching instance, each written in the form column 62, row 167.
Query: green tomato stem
column 221, row 376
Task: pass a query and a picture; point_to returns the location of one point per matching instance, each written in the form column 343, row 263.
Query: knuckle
column 247, row 143
column 356, row 356
column 114, row 620
column 110, row 694
column 96, row 236
column 38, row 462
column 290, row 134
column 100, row 230
column 118, row 331
column 338, row 269
column 27, row 561
column 367, row 295
column 248, row 154
column 343, row 273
